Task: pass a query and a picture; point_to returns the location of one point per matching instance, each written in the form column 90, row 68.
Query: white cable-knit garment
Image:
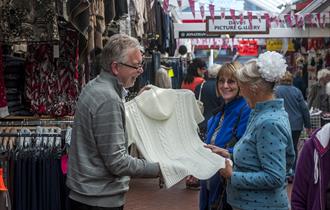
column 163, row 124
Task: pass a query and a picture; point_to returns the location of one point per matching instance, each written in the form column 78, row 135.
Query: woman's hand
column 227, row 171
column 223, row 152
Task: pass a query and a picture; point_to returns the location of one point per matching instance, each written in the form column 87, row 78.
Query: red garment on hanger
column 3, row 98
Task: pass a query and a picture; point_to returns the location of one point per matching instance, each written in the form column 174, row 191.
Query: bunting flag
column 222, row 13
column 250, row 17
column 267, row 18
column 211, row 9
column 232, row 14
column 276, row 19
column 258, row 17
column 300, row 21
column 282, row 20
column 241, row 17
column 192, row 6
column 202, row 9
column 293, row 18
column 324, row 17
column 308, row 18
column 288, row 20
column 166, row 5
column 315, row 20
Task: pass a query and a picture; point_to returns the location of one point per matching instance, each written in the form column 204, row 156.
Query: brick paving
column 145, row 194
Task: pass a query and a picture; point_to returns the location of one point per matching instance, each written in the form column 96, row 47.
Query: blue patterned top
column 262, row 159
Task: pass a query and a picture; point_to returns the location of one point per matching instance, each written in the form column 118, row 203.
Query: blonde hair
column 228, row 70
column 286, row 79
column 250, row 74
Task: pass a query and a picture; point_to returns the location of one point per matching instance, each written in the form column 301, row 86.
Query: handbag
column 199, row 102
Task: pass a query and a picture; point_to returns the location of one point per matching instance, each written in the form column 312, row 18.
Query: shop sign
column 197, row 34
column 229, row 26
column 276, row 45
column 248, row 48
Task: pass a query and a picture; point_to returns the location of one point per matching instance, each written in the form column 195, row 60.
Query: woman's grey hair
column 116, row 49
column 323, row 73
column 327, row 88
column 213, row 70
column 250, row 74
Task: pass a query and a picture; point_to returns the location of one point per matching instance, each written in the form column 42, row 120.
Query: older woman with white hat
column 265, row 154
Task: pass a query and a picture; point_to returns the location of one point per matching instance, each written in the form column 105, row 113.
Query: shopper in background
column 224, row 128
column 100, row 167
column 318, row 90
column 295, row 106
column 195, row 74
column 209, row 97
column 311, row 186
column 264, row 155
column 298, row 82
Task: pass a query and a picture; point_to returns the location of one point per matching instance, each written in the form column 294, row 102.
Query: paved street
column 145, row 194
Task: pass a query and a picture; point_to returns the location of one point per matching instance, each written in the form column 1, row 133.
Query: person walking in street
column 264, row 155
column 296, row 107
column 99, row 166
column 317, row 91
column 311, row 186
column 224, row 128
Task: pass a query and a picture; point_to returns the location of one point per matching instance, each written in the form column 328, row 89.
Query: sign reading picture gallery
column 228, row 26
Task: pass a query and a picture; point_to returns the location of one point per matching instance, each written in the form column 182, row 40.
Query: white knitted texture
column 163, row 124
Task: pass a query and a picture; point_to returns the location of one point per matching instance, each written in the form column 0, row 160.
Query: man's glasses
column 140, row 66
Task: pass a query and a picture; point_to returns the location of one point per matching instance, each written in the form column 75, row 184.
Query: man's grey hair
column 213, row 70
column 116, row 49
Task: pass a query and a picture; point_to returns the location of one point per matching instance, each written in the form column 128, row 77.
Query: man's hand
column 223, row 152
column 227, row 171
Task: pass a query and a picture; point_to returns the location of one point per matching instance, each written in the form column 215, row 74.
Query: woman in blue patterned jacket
column 265, row 154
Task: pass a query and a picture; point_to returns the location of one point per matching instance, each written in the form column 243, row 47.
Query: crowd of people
column 253, row 117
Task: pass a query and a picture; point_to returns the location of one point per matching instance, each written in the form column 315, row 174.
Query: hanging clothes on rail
column 52, row 78
column 33, row 156
column 5, row 203
column 28, row 20
column 3, row 98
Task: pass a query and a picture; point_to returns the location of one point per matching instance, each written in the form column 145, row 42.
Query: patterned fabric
column 28, row 20
column 263, row 158
column 3, row 98
column 52, row 84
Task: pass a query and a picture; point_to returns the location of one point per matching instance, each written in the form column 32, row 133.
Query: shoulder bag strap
column 234, row 139
column 200, row 91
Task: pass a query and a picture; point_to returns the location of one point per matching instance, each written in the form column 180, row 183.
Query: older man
column 99, row 164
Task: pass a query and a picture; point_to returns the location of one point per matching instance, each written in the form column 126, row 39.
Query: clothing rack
column 36, row 122
column 30, row 135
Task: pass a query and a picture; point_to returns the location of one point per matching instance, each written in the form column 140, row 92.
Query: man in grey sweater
column 100, row 167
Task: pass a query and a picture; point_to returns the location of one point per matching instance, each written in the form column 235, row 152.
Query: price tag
column 56, row 51
column 170, row 73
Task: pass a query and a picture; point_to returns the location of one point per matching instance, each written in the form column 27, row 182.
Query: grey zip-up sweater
column 99, row 165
